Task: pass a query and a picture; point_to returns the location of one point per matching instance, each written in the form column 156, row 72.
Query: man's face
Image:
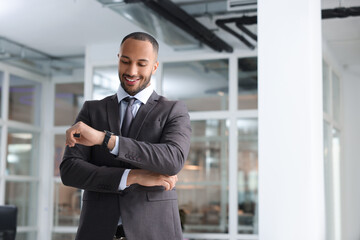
column 137, row 62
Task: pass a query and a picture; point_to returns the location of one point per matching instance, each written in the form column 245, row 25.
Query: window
column 202, row 186
column 247, row 83
column 69, row 99
column 202, row 85
column 21, row 133
column 332, row 150
column 224, row 135
column 66, row 201
column 248, row 176
column 25, row 100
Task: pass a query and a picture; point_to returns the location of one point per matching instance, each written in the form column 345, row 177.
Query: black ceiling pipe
column 180, row 18
column 240, row 37
column 340, row 12
column 246, row 31
column 245, row 20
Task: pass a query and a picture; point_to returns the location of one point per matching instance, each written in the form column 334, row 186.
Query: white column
column 291, row 182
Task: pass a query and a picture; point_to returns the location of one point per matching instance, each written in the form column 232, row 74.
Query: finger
column 171, row 181
column 70, row 139
column 166, row 185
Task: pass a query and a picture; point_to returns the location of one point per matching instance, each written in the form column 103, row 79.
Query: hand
column 150, row 179
column 87, row 135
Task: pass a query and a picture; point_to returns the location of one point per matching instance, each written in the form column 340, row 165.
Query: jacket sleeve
column 169, row 155
column 76, row 170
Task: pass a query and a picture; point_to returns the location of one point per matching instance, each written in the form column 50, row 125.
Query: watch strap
column 106, row 138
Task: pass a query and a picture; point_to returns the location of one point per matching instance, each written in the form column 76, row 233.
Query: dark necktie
column 128, row 117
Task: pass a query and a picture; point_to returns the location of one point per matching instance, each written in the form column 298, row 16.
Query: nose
column 131, row 70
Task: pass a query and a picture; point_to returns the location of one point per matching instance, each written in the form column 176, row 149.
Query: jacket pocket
column 161, row 196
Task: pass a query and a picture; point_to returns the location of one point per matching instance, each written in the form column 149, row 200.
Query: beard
column 143, row 84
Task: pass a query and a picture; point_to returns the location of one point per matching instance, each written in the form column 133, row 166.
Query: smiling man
column 125, row 151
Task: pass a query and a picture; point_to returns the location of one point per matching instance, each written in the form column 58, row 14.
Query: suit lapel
column 141, row 115
column 112, row 108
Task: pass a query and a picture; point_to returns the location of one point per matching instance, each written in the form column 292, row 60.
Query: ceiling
column 66, row 27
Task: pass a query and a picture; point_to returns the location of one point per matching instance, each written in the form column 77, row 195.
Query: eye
column 142, row 64
column 124, row 62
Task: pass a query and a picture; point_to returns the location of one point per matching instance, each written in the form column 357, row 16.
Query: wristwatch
column 106, row 138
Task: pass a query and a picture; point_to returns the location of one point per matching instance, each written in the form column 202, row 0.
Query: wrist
column 101, row 138
column 131, row 179
column 112, row 142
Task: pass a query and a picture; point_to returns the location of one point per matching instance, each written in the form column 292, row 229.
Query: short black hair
column 142, row 36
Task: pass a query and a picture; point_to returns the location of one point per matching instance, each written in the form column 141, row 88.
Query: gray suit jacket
column 159, row 141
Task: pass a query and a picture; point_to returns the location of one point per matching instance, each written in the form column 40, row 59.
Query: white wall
column 350, row 166
column 291, row 180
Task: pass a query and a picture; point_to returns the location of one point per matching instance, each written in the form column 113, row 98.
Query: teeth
column 130, row 80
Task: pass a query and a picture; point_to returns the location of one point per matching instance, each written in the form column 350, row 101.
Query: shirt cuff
column 123, row 181
column 115, row 150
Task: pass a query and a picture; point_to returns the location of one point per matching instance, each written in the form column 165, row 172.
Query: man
column 129, row 175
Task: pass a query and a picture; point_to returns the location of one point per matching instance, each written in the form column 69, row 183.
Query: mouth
column 131, row 80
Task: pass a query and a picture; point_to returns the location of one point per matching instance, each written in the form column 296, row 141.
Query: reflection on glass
column 26, row 236
column 248, row 176
column 202, row 85
column 326, row 88
column 24, row 196
column 25, row 100
column 105, row 82
column 63, row 236
column 66, row 205
column 1, row 89
column 68, row 102
column 22, row 153
column 336, row 158
column 247, row 82
column 202, row 186
column 336, row 97
column 58, row 152
column 329, row 187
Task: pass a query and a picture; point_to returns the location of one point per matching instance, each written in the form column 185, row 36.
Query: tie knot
column 130, row 100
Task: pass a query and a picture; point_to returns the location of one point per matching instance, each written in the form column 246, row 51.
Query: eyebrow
column 141, row 59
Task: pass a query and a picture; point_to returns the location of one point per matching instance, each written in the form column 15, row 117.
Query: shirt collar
column 143, row 96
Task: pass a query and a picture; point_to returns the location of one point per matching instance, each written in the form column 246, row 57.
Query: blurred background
column 55, row 54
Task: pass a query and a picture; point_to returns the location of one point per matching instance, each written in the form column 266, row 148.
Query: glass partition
column 326, row 88
column 105, row 82
column 24, row 196
column 248, row 176
column 67, row 203
column 202, row 85
column 25, row 235
column 22, row 153
column 1, row 89
column 69, row 99
column 247, row 83
column 203, row 183
column 24, row 100
column 59, row 149
column 63, row 236
column 336, row 97
column 329, row 186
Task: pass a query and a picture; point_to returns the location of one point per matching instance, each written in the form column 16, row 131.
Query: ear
column 156, row 65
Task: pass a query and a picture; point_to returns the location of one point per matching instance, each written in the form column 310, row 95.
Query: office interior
column 272, row 89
